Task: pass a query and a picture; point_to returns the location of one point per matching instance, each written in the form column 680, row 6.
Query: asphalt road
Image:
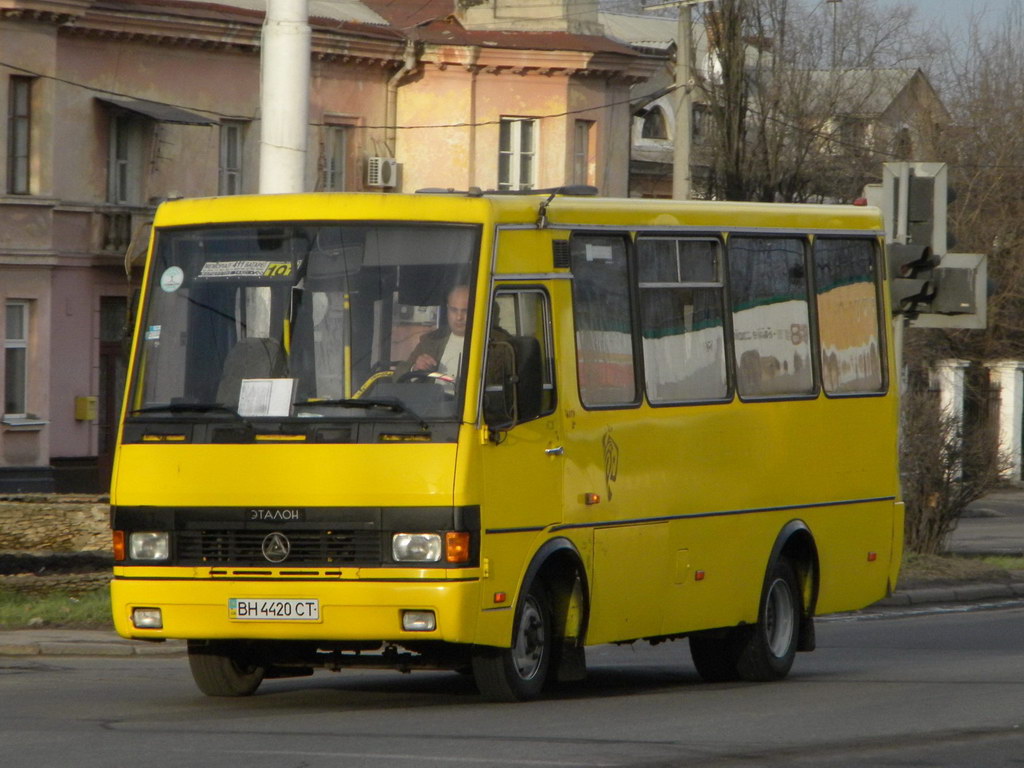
column 922, row 689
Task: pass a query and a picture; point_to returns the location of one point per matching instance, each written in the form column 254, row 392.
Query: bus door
column 616, row 458
column 522, row 466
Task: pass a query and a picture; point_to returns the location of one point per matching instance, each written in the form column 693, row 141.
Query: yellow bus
column 481, row 432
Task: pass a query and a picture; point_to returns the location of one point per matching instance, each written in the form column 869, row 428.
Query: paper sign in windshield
column 220, row 270
column 265, row 397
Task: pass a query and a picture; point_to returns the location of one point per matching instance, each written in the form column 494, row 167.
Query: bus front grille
column 302, row 547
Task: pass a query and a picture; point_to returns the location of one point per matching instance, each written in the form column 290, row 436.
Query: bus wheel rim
column 779, row 618
column 528, row 653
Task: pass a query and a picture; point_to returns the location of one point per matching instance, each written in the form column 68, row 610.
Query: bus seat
column 251, row 358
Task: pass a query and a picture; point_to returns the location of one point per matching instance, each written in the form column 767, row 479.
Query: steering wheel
column 417, row 376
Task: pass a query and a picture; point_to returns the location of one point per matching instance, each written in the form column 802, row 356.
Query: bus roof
column 516, row 209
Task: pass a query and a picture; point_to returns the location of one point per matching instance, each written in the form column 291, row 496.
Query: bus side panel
column 699, row 495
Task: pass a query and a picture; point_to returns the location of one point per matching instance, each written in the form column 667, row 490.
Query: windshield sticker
column 171, row 279
column 219, row 270
column 599, row 252
column 153, row 333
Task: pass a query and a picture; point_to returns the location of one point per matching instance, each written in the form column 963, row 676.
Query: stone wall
column 46, row 529
column 31, row 523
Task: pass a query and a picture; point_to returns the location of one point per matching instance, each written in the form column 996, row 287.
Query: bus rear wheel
column 518, row 673
column 224, row 668
column 763, row 652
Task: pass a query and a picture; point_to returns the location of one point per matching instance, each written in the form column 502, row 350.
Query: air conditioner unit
column 381, row 172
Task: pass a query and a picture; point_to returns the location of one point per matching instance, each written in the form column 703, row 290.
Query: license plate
column 269, row 609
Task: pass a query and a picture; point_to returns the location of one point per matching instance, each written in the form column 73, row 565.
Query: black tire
column 764, row 652
column 518, row 673
column 716, row 654
column 769, row 653
column 224, row 668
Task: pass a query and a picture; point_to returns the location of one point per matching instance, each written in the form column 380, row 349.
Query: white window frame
column 232, row 157
column 517, row 153
column 12, row 343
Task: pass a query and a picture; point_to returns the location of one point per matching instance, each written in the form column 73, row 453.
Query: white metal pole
column 284, row 97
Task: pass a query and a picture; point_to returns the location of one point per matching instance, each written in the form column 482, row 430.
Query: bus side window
column 682, row 309
column 846, row 283
column 771, row 316
column 519, row 355
column 602, row 311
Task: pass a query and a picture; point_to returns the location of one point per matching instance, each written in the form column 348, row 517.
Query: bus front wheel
column 224, row 668
column 518, row 673
column 763, row 652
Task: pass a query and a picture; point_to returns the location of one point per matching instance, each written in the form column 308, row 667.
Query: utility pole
column 284, row 96
column 835, row 35
column 684, row 98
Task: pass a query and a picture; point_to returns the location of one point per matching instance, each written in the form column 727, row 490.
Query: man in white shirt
column 441, row 350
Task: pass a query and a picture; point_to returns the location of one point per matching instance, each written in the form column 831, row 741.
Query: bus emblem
column 276, row 547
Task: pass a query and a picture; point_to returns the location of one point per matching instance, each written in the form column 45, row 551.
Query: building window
column 232, row 138
column 19, row 125
column 655, row 126
column 700, row 123
column 336, row 151
column 127, row 136
column 581, row 152
column 517, row 153
column 15, row 358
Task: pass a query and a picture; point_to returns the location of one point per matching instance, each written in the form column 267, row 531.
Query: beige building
column 113, row 107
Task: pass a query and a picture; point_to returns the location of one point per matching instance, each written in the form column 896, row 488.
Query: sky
column 952, row 12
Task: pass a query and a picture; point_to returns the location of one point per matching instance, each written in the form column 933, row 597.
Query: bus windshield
column 305, row 320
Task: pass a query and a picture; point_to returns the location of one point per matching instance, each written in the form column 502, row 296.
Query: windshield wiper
column 391, row 404
column 189, row 408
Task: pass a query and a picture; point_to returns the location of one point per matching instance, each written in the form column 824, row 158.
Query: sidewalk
column 993, row 525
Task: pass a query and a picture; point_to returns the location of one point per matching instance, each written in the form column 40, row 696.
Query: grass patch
column 944, row 570
column 87, row 610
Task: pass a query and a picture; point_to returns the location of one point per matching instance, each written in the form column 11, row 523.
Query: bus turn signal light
column 119, row 548
column 456, row 544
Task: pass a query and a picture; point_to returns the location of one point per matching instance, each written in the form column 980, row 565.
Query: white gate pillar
column 951, row 377
column 1009, row 374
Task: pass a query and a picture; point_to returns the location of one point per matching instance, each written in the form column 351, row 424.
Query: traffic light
column 911, row 278
column 915, row 197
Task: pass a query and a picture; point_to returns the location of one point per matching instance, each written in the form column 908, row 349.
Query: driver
column 440, row 350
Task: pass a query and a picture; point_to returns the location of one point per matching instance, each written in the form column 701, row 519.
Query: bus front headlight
column 149, row 545
column 416, row 547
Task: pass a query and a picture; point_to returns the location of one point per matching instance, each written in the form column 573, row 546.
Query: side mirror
column 500, row 395
column 514, row 386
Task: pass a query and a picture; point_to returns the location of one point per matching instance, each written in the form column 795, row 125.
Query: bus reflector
column 500, row 597
column 872, row 556
column 698, row 576
column 456, row 546
column 119, row 548
column 591, row 498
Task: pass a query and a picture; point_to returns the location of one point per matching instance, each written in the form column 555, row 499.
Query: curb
column 959, row 593
column 72, row 647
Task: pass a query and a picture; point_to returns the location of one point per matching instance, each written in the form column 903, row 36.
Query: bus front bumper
column 358, row 610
